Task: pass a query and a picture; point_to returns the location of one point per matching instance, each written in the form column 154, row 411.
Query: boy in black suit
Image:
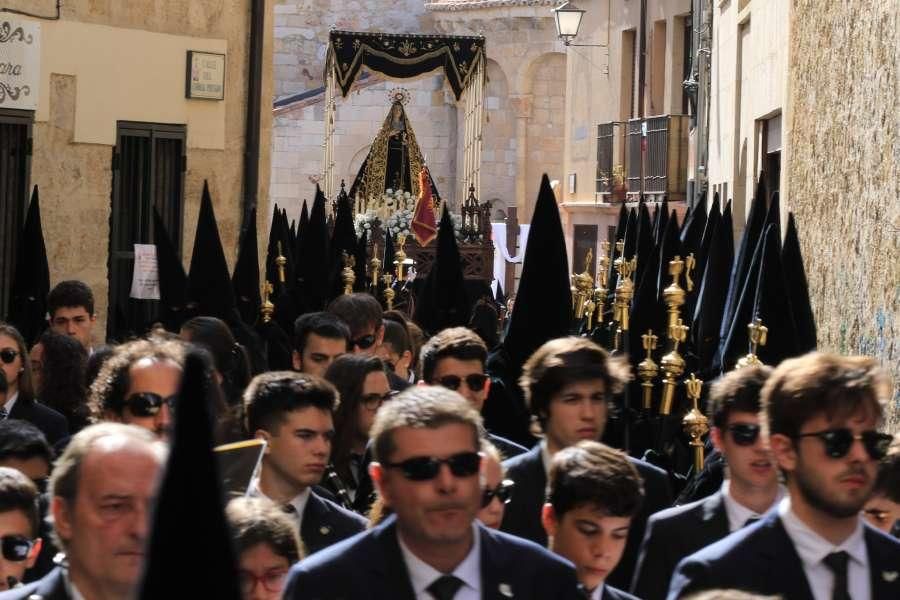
column 594, row 493
column 569, row 384
column 293, row 413
column 751, row 487
column 427, row 471
column 820, row 415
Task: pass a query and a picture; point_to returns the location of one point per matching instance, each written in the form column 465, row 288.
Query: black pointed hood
column 302, row 225
column 361, row 254
column 443, row 302
column 543, row 306
column 770, row 306
column 670, row 248
column 702, row 252
column 660, row 221
column 191, row 480
column 647, row 310
column 645, row 247
column 272, row 247
column 390, row 255
column 31, row 280
column 797, row 288
column 343, row 239
column 631, row 233
column 753, row 231
column 710, row 303
column 209, row 284
column 314, row 265
column 692, row 230
column 173, row 282
column 245, row 279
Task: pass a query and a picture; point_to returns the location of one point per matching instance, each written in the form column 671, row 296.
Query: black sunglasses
column 474, row 382
column 7, row 355
column 148, row 404
column 838, row 442
column 16, row 547
column 364, row 342
column 744, row 434
column 503, row 493
column 374, row 401
column 423, row 468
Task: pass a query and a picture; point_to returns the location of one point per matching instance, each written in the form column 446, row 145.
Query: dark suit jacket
column 53, row 425
column 523, row 513
column 370, row 566
column 51, row 587
column 762, row 559
column 507, row 448
column 325, row 523
column 611, row 593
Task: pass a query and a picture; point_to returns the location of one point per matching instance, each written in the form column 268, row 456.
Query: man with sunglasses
column 569, row 384
column 820, row 415
column 454, row 358
column 137, row 385
column 293, row 413
column 19, row 519
column 749, row 491
column 883, row 508
column 426, row 467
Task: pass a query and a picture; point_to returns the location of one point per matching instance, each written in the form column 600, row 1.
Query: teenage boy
column 594, row 493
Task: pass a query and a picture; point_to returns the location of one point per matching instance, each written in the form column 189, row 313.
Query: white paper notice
column 145, row 283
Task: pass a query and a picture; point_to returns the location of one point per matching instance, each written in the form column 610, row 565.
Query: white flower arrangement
column 365, row 222
column 400, row 221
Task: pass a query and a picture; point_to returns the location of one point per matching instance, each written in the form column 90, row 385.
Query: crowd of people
column 389, row 471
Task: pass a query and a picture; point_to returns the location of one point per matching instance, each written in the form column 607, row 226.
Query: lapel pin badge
column 889, row 576
column 506, row 590
column 324, row 529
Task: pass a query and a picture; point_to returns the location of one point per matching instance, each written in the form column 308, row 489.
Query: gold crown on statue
column 399, row 94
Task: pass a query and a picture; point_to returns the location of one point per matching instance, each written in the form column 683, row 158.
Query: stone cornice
column 456, row 5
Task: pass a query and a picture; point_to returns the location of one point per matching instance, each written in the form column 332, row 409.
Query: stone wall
column 844, row 172
column 75, row 177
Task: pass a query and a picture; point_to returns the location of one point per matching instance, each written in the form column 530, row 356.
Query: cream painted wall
column 129, row 74
column 748, row 83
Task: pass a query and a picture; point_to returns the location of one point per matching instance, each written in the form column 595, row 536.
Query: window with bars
column 15, row 163
column 148, row 168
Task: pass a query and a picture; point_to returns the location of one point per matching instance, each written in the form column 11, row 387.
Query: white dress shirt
column 422, row 575
column 812, row 548
column 73, row 592
column 299, row 502
column 10, row 402
column 598, row 592
column 737, row 512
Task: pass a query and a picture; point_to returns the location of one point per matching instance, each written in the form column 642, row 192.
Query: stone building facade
column 524, row 97
column 106, row 63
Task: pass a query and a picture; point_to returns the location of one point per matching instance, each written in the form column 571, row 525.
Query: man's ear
column 376, row 472
column 548, row 520
column 296, row 361
column 487, row 387
column 379, row 334
column 262, row 434
column 113, row 416
column 406, row 358
column 62, row 517
column 33, row 555
column 715, row 434
column 783, row 451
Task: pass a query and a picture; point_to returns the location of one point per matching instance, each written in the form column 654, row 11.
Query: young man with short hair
column 396, row 350
column 319, row 338
column 427, row 467
column 454, row 358
column 820, row 415
column 569, row 384
column 594, row 492
column 19, row 526
column 293, row 413
column 138, row 384
column 23, row 447
column 363, row 315
column 749, row 491
column 70, row 305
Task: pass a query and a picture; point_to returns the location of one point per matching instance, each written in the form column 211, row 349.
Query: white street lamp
column 568, row 21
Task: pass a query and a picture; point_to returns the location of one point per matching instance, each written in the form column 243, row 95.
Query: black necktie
column 837, row 562
column 3, row 413
column 750, row 521
column 444, row 587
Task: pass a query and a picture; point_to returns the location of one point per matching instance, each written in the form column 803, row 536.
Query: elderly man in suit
column 568, row 384
column 292, row 412
column 820, row 415
column 750, row 490
column 427, row 470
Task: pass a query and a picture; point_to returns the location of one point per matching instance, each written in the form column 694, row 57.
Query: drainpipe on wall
column 701, row 74
column 254, row 93
column 642, row 79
